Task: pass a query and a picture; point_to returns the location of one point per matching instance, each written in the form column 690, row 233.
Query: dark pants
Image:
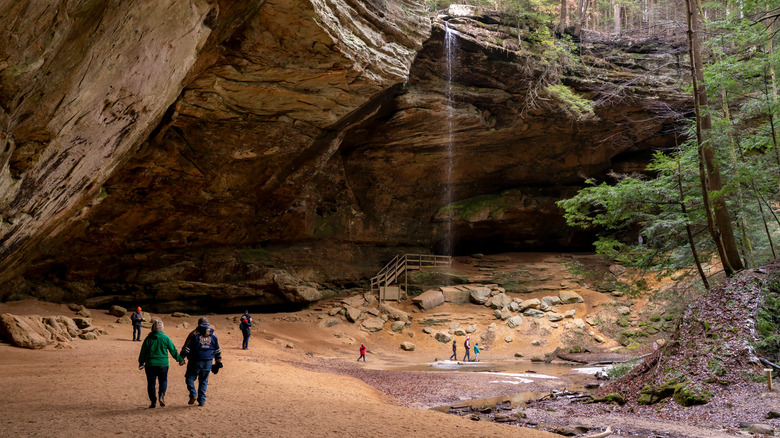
column 467, row 356
column 136, row 332
column 153, row 374
column 454, row 355
column 362, row 356
column 198, row 369
column 245, row 344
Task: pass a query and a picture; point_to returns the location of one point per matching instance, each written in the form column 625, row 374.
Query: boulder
column 84, row 313
column 372, row 324
column 500, row 300
column 407, row 346
column 354, row 301
column 570, row 314
column 176, row 315
column 371, row 300
column 124, row 320
column 514, row 321
column 551, row 301
column 443, row 336
column 70, row 325
column 329, row 322
column 82, row 322
column 335, row 311
column 24, row 331
column 533, row 303
column 117, row 310
column 554, row 317
column 514, row 306
column 353, row 314
column 479, row 295
column 455, row 295
column 459, row 332
column 394, row 314
column 89, row 336
column 427, row 330
column 761, row 429
column 571, row 430
column 508, row 339
column 533, row 313
column 471, row 329
column 569, row 297
column 397, row 326
column 623, row 310
column 429, row 299
column 454, row 325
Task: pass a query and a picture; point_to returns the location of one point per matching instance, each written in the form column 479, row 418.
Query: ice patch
column 513, row 382
column 525, row 375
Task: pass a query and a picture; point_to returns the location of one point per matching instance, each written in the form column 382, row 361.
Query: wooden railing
column 401, row 264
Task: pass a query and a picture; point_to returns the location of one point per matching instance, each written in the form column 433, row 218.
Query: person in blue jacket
column 200, row 350
column 246, row 323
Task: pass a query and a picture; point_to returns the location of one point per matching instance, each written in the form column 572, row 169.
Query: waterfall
column 450, row 45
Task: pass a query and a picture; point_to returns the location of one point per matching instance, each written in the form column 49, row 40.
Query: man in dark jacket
column 201, row 348
column 136, row 318
column 246, row 323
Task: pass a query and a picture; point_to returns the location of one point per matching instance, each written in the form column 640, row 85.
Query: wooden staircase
column 402, row 264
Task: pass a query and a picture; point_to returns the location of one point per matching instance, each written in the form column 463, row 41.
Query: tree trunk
column 562, row 24
column 616, row 17
column 718, row 218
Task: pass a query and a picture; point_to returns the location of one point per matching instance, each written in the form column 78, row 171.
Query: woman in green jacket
column 154, row 357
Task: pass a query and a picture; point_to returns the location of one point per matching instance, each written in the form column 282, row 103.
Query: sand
column 96, row 389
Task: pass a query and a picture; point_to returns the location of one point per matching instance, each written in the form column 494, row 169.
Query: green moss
column 474, row 209
column 614, row 397
column 254, row 254
column 569, row 103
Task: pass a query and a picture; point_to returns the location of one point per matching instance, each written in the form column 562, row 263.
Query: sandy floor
column 97, row 389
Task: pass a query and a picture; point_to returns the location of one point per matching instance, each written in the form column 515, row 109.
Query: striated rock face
column 258, row 153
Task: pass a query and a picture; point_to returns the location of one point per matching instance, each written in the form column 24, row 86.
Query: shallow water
column 570, row 377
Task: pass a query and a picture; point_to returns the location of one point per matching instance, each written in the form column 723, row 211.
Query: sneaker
column 162, row 400
column 192, row 400
column 152, row 405
column 201, row 403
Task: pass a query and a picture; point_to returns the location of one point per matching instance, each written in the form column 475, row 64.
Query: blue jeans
column 136, row 333
column 199, row 369
column 153, row 374
column 245, row 344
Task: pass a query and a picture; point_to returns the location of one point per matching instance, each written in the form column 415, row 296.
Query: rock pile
column 37, row 332
column 365, row 309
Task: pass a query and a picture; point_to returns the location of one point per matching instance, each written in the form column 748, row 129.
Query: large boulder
column 514, row 321
column 479, row 295
column 443, row 336
column 569, row 297
column 24, row 331
column 407, row 346
column 372, row 324
column 353, row 314
column 429, row 299
column 393, row 313
column 117, row 311
column 532, row 303
column 455, row 295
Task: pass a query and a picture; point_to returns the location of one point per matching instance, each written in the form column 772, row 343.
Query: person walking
column 467, row 344
column 201, row 348
column 137, row 318
column 362, row 353
column 246, row 323
column 454, row 350
column 153, row 358
column 476, row 352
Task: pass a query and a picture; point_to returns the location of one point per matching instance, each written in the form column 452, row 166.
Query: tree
column 713, row 196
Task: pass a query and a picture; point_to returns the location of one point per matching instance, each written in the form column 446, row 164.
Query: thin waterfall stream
column 450, row 45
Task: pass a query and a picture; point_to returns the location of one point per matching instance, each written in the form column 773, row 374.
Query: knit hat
column 157, row 325
column 138, row 309
column 203, row 320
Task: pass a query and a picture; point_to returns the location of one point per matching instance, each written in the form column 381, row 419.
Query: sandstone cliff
column 258, row 152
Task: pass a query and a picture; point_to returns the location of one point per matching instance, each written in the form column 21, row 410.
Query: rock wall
column 284, row 150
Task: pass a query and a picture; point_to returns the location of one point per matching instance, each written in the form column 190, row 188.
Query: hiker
column 454, row 350
column 476, row 352
column 467, row 345
column 136, row 318
column 154, row 359
column 200, row 349
column 362, row 353
column 246, row 322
